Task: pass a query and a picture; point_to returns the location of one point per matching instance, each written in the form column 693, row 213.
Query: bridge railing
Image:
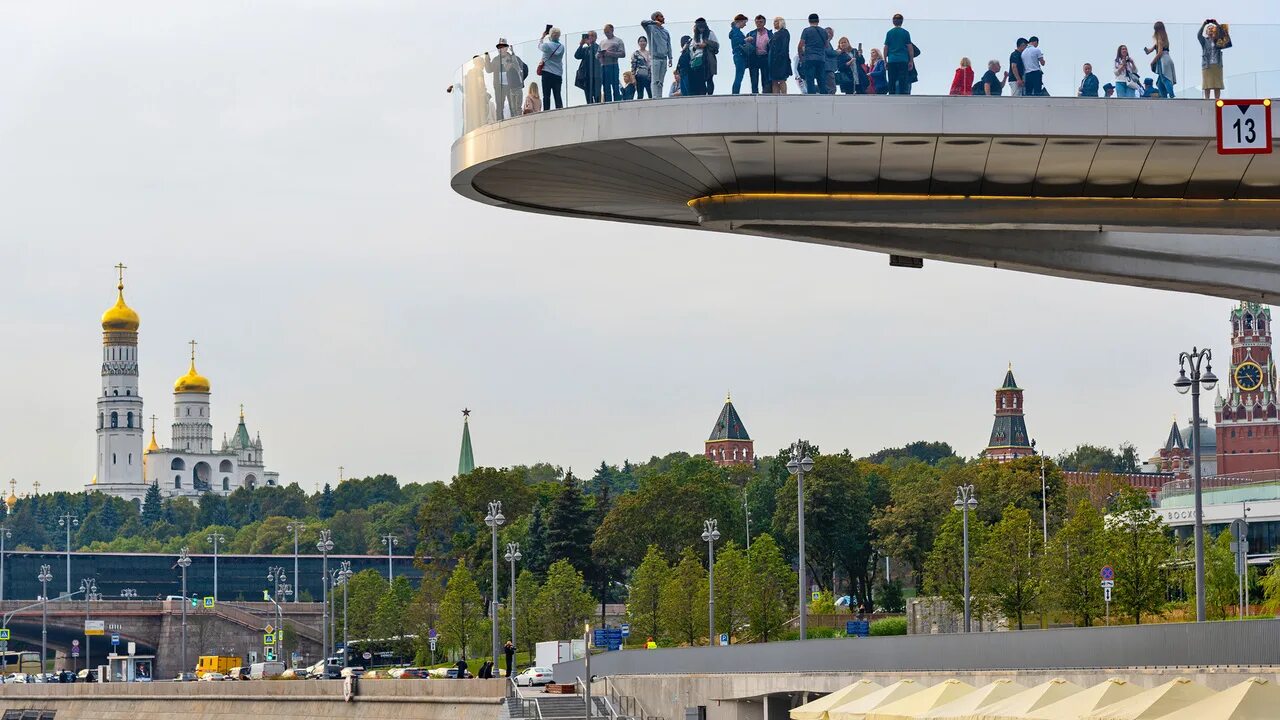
column 1066, row 45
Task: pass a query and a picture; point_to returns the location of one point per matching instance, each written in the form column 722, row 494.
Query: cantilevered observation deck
column 1129, row 191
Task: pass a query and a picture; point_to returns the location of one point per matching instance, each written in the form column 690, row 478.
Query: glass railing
column 481, row 96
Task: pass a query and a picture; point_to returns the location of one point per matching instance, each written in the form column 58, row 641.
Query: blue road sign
column 4, row 633
column 115, row 638
column 857, row 628
column 724, row 638
column 626, row 629
column 431, row 633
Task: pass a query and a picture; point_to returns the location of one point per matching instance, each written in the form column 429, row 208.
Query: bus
column 20, row 661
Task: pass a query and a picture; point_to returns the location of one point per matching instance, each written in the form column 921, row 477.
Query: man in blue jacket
column 757, row 50
column 1089, row 85
column 815, row 42
column 737, row 41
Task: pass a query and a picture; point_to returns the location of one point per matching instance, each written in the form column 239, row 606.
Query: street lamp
column 215, row 538
column 44, row 577
column 89, row 587
column 799, row 467
column 68, row 521
column 709, row 536
column 513, row 555
column 1208, row 380
column 129, row 594
column 494, row 520
column 5, row 534
column 966, row 501
column 324, row 545
column 295, row 528
column 344, row 575
column 391, row 541
column 184, row 562
column 1044, row 498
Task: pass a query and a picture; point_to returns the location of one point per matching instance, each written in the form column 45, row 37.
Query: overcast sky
column 276, row 177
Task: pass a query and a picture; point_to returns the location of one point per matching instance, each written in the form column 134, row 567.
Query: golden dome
column 120, row 317
column 192, row 382
column 11, row 500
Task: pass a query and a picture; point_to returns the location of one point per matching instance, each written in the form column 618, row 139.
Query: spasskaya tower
column 1247, row 424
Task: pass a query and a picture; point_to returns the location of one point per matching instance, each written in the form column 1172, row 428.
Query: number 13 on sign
column 1244, row 127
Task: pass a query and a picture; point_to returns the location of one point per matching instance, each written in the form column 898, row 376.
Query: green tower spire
column 466, row 460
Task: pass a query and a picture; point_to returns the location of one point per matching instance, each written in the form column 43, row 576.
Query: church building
column 190, row 466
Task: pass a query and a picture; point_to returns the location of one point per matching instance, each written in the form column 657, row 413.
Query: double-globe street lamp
column 214, row 539
column 1192, row 360
column 324, row 545
column 512, row 556
column 494, row 519
column 5, row 534
column 391, row 541
column 44, row 577
column 68, row 520
column 800, row 464
column 295, row 528
column 343, row 577
column 709, row 536
column 184, row 562
column 966, row 501
column 281, row 590
column 89, row 587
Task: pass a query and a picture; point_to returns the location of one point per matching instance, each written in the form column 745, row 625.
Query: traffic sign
column 724, row 638
column 432, row 633
column 626, row 629
column 269, row 639
column 75, row 652
column 115, row 638
column 4, row 633
column 1244, row 127
column 1106, row 594
column 95, row 627
column 432, row 641
column 75, row 643
column 1108, row 584
column 367, row 655
column 1108, row 573
column 208, row 601
column 269, row 628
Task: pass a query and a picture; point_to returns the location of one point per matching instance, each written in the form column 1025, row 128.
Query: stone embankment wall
column 311, row 699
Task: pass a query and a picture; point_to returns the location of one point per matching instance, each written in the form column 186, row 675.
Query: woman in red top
column 962, row 84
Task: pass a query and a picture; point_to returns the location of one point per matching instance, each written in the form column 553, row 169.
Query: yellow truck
column 216, row 663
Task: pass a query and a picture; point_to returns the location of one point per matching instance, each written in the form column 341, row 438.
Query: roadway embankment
column 311, row 699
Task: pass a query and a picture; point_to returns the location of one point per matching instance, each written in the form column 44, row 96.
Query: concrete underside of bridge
column 1122, row 192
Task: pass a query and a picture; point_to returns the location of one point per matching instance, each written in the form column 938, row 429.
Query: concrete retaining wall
column 374, row 699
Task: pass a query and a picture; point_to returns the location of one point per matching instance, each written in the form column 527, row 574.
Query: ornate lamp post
column 215, row 538
column 184, row 562
column 966, row 500
column 295, row 528
column 324, row 545
column 68, row 521
column 512, row 556
column 1208, row 380
column 44, row 577
column 344, row 576
column 90, row 588
column 709, row 536
column 494, row 520
column 798, row 466
column 5, row 534
column 391, row 541
column 129, row 594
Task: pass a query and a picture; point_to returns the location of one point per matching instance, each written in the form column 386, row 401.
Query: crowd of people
column 821, row 64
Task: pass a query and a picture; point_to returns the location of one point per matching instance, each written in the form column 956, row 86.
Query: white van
column 264, row 670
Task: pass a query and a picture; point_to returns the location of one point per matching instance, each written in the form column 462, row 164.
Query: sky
column 275, row 175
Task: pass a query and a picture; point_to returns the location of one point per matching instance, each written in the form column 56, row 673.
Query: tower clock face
column 1248, row 376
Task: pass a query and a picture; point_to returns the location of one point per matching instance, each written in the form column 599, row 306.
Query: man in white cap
column 509, row 72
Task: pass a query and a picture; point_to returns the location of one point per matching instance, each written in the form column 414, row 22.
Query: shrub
column 890, row 597
column 889, row 626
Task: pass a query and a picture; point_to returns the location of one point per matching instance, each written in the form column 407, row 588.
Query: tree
column 563, row 601
column 569, row 527
column 391, row 618
column 920, row 451
column 944, row 565
column 364, row 591
column 1092, row 458
column 535, row 549
column 325, row 505
column 1136, row 548
column 733, row 578
column 1072, row 565
column 152, row 506
column 1271, row 588
column 528, row 626
column 908, row 522
column 1008, row 564
column 1221, row 583
column 643, row 601
column 462, row 613
column 683, row 603
column 771, row 597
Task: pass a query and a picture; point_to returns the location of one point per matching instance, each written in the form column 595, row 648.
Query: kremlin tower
column 1009, row 440
column 729, row 443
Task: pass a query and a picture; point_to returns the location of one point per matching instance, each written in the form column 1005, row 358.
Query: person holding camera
column 552, row 67
column 1213, row 40
column 589, row 77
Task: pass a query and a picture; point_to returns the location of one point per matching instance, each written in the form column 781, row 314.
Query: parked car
column 212, row 677
column 410, row 674
column 452, row 674
column 87, row 675
column 264, row 670
column 351, row 672
column 534, row 676
column 186, row 677
column 239, row 672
